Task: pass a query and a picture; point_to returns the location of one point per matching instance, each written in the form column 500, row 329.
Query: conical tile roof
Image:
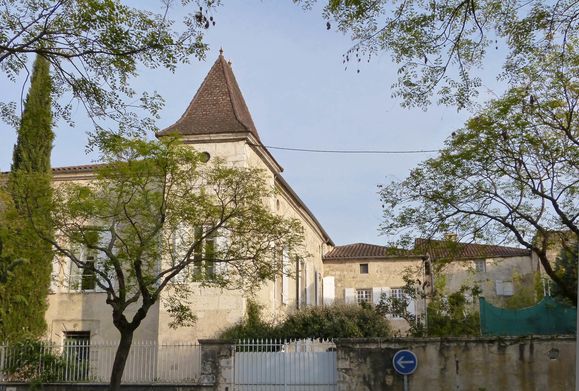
column 217, row 107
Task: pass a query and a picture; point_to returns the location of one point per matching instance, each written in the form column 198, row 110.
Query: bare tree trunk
column 121, row 357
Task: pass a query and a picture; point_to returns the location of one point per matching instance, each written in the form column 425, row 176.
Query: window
column 397, row 293
column 85, row 274
column 504, row 288
column 204, row 240
column 204, row 157
column 363, row 268
column 204, row 253
column 363, row 296
column 77, row 354
column 480, row 266
column 84, row 278
column 427, row 270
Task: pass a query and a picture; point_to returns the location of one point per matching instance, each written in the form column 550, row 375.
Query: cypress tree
column 25, row 299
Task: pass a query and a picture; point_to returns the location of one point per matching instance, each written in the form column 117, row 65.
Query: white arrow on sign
column 401, row 362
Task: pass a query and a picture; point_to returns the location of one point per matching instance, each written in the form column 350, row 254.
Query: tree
column 440, row 45
column 94, row 48
column 509, row 176
column 337, row 321
column 156, row 218
column 26, row 291
column 447, row 314
column 566, row 267
column 327, row 322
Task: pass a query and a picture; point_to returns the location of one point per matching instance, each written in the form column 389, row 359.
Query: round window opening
column 204, row 157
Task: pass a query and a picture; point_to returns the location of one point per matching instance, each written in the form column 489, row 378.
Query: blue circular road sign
column 405, row 362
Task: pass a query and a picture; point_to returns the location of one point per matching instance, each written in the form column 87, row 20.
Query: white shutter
column 499, row 287
column 221, row 242
column 349, row 295
column 411, row 308
column 329, row 290
column 316, row 288
column 376, row 294
column 285, row 278
column 74, row 272
column 55, row 277
column 507, row 288
column 102, row 261
column 307, row 285
column 179, row 250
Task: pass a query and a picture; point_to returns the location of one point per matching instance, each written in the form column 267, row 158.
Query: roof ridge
column 426, row 241
column 217, row 107
column 225, row 67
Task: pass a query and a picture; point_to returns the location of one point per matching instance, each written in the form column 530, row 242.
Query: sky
column 290, row 71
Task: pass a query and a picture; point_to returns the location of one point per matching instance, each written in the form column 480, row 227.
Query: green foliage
column 34, row 143
column 252, row 326
column 24, row 298
column 35, row 362
column 448, row 314
column 440, row 47
column 566, row 268
column 510, row 175
column 148, row 217
column 454, row 314
column 526, row 292
column 96, row 47
column 337, row 321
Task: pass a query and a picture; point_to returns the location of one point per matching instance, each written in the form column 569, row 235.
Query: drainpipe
column 430, row 288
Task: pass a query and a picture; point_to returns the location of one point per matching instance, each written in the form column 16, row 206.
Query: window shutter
column 316, row 288
column 178, row 252
column 376, row 294
column 74, row 272
column 507, row 288
column 499, row 287
column 411, row 308
column 55, row 277
column 285, row 278
column 307, row 286
column 329, row 290
column 349, row 295
column 221, row 242
column 102, row 262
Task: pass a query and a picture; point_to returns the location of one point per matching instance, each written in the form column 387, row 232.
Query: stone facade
column 226, row 133
column 460, row 364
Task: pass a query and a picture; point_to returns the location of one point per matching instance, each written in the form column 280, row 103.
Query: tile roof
column 217, row 107
column 283, row 183
column 75, row 169
column 445, row 249
column 364, row 250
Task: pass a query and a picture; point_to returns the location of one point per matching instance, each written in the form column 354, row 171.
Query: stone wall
column 477, row 364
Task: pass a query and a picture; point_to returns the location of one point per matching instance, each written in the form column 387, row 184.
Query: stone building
column 363, row 272
column 218, row 123
column 495, row 269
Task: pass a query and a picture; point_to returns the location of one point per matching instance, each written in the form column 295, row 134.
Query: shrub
column 33, row 361
column 252, row 326
column 337, row 321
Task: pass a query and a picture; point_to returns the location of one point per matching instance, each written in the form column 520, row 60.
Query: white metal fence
column 79, row 361
column 285, row 365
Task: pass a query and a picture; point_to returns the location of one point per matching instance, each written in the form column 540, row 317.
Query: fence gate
column 285, row 365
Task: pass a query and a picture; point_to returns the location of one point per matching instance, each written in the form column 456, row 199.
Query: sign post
column 405, row 363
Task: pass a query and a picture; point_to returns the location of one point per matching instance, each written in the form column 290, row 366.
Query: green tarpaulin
column 547, row 317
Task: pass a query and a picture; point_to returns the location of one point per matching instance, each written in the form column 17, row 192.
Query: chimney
column 450, row 237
